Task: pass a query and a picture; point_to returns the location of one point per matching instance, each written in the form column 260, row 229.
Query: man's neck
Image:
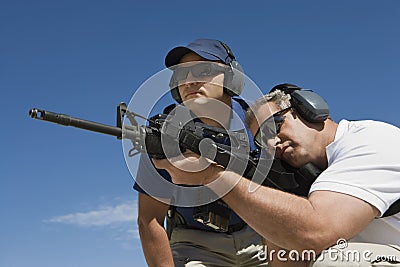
column 211, row 122
column 327, row 137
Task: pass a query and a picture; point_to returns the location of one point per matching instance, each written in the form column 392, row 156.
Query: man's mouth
column 283, row 151
column 192, row 93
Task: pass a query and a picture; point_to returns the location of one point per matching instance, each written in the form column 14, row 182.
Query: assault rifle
column 158, row 138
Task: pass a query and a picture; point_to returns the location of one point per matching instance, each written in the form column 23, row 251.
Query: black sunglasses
column 269, row 128
column 199, row 70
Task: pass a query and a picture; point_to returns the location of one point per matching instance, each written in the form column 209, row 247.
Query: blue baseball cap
column 208, row 49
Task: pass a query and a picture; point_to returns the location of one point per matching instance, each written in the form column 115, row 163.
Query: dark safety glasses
column 270, row 128
column 200, row 70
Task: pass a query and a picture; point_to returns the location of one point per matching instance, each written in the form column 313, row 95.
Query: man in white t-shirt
column 340, row 220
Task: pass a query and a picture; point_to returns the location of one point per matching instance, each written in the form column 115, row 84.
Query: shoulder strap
column 241, row 102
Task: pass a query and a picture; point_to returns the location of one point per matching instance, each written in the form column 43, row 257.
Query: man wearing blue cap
column 203, row 71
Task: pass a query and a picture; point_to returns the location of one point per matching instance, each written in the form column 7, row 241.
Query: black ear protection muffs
column 233, row 80
column 175, row 94
column 310, row 106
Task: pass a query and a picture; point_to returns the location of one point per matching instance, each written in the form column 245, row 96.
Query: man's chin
column 200, row 100
column 293, row 163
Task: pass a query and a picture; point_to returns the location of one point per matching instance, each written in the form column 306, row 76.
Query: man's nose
column 190, row 79
column 273, row 144
column 273, row 141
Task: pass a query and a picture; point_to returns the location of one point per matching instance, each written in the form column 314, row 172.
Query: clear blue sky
column 66, row 195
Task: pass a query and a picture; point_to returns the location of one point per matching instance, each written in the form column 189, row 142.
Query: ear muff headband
column 287, row 88
column 234, row 80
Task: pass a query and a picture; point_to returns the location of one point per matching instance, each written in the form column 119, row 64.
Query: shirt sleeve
column 149, row 180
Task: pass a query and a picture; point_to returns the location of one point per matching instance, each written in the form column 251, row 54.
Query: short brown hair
column 281, row 99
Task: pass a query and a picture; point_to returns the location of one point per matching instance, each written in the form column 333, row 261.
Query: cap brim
column 175, row 55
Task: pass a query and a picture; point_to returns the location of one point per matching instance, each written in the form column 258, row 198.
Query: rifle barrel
column 75, row 122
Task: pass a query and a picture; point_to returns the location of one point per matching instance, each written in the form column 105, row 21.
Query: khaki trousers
column 202, row 248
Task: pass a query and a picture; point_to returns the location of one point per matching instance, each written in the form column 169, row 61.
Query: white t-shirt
column 364, row 161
